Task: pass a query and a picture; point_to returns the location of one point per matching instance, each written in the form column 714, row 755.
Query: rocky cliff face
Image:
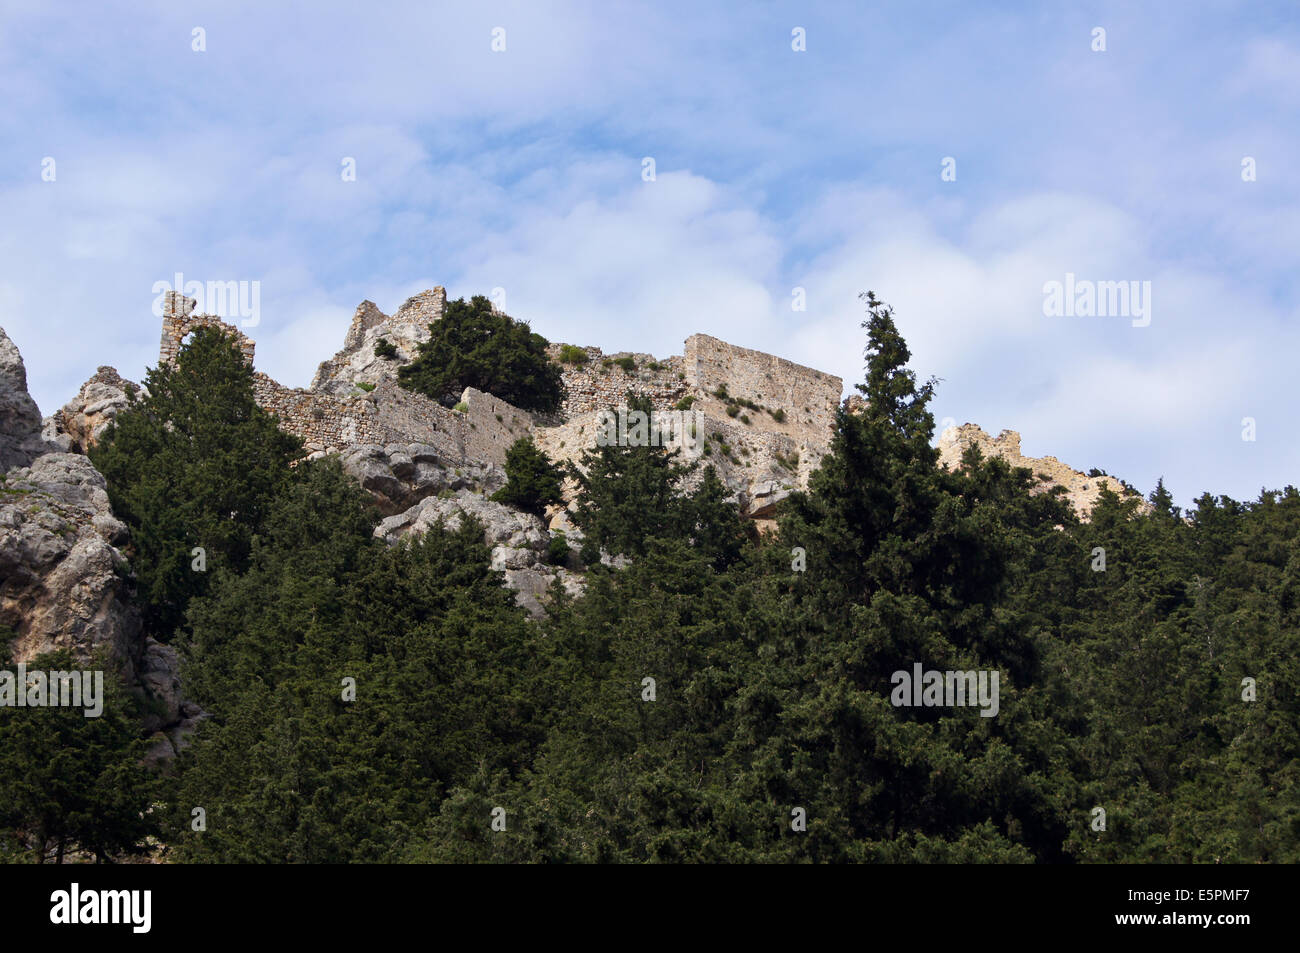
column 358, row 362
column 64, row 580
column 20, row 420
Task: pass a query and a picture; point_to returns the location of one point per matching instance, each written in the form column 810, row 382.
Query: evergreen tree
column 192, row 465
column 473, row 345
column 532, row 480
column 71, row 783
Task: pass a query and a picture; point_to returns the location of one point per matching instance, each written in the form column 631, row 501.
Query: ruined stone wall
column 488, row 426
column 1081, row 490
column 323, row 421
column 179, row 320
column 595, row 386
column 807, row 397
column 328, row 423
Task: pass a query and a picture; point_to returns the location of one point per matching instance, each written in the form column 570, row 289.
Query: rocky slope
column 64, row 580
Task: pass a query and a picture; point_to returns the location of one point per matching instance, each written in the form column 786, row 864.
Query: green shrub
column 557, row 550
column 384, row 350
column 732, row 410
column 461, row 407
column 685, row 403
column 778, row 415
column 366, row 386
column 572, row 354
column 627, row 363
column 532, row 480
column 473, row 345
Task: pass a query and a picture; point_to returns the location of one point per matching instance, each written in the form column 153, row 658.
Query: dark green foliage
column 290, row 771
column 572, row 354
column 532, row 480
column 695, row 697
column 384, row 350
column 192, row 464
column 557, row 550
column 630, row 495
column 71, row 784
column 474, row 346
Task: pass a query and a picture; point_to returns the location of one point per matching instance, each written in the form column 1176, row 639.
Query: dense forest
column 718, row 696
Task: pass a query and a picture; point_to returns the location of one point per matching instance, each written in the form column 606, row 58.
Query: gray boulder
column 20, row 419
column 63, row 580
column 399, row 476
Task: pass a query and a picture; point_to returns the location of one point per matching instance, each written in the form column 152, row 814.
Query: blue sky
column 775, row 169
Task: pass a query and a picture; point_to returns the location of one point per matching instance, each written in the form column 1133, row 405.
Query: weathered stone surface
column 765, row 497
column 517, row 539
column 20, row 420
column 63, row 579
column 78, row 425
column 532, row 586
column 518, row 542
column 357, row 362
column 1080, row 489
column 399, row 476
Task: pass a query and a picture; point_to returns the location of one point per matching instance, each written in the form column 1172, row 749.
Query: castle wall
column 482, row 435
column 592, row 386
column 179, row 320
column 1081, row 490
column 748, row 448
column 808, row 397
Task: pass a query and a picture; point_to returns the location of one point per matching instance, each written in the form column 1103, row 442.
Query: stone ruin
column 1081, row 490
column 354, row 401
column 762, row 422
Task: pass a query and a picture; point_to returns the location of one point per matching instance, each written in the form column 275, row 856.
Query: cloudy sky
column 523, row 169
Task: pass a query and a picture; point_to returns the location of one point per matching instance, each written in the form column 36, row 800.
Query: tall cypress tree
column 191, row 465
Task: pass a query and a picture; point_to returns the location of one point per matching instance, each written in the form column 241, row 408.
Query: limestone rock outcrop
column 20, row 420
column 398, row 476
column 64, row 580
column 83, row 420
column 358, row 362
column 518, row 540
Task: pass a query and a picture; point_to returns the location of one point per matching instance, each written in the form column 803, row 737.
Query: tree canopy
column 717, row 695
column 473, row 345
